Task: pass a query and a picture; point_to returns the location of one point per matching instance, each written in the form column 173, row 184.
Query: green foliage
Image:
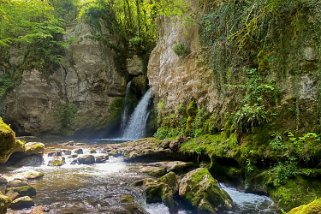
column 31, row 28
column 243, row 33
column 259, row 96
column 66, row 114
column 181, row 49
column 133, row 21
column 7, row 82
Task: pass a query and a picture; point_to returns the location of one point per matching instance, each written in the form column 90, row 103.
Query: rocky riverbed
column 145, row 176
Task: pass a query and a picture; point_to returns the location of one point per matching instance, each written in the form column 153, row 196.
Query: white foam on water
column 243, row 199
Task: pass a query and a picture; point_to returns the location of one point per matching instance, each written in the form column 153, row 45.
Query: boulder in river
column 33, row 174
column 30, row 160
column 78, row 151
column 86, row 159
column 203, row 192
column 58, row 161
column 22, row 203
column 161, row 190
column 35, row 148
column 21, row 191
column 153, row 170
column 8, row 143
column 101, row 158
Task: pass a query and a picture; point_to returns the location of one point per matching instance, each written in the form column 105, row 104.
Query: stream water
column 98, row 188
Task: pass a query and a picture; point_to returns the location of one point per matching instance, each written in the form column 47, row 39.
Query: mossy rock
column 153, row 190
column 8, row 143
column 154, row 170
column 22, row 203
column 35, row 148
column 157, row 192
column 23, row 190
column 203, row 192
column 296, row 192
column 5, row 201
column 171, row 180
column 312, row 208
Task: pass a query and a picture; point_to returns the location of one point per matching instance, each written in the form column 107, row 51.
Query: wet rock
column 38, row 210
column 4, row 203
column 153, row 170
column 26, row 190
column 30, row 160
column 138, row 183
column 101, row 158
column 22, row 203
column 156, row 192
column 74, row 162
column 35, row 148
column 17, row 183
column 78, row 151
column 93, row 151
column 8, row 143
column 66, row 152
column 74, row 155
column 131, row 207
column 55, row 154
column 3, row 181
column 69, row 143
column 171, row 180
column 203, row 192
column 153, row 190
column 59, row 161
column 86, row 159
column 179, row 166
column 32, row 174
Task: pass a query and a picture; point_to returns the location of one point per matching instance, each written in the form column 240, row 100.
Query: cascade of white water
column 136, row 126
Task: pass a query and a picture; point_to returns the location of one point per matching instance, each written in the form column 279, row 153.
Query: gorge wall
column 215, row 73
column 87, row 87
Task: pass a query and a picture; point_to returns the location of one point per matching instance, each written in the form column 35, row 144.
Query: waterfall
column 124, row 117
column 136, row 126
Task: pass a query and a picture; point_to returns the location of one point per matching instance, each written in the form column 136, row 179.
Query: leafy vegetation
column 32, row 29
column 181, row 49
column 132, row 21
column 66, row 114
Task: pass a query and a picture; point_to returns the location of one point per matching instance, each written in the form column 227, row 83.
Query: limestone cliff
column 87, row 87
column 176, row 80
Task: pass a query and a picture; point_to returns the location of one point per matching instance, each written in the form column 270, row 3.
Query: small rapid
column 248, row 203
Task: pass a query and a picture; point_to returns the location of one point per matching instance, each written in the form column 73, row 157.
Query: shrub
column 67, row 114
column 181, row 49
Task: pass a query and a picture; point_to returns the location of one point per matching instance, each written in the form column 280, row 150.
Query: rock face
column 88, row 80
column 203, row 192
column 8, row 143
column 176, row 80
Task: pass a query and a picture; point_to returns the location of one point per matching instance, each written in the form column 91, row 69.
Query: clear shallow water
column 98, row 188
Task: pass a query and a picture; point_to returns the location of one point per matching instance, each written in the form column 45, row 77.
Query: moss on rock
column 312, row 208
column 8, row 143
column 4, row 203
column 203, row 192
column 296, row 192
